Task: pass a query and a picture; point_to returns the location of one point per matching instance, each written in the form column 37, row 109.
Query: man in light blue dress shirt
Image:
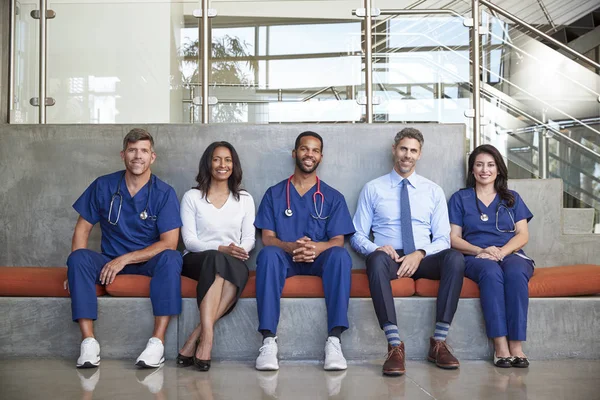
column 408, row 216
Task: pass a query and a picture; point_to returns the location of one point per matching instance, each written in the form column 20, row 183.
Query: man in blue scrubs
column 408, row 216
column 139, row 219
column 303, row 222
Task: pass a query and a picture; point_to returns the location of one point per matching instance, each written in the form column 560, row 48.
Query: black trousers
column 447, row 266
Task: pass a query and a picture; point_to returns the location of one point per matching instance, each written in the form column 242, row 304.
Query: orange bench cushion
column 569, row 280
column 295, row 287
column 429, row 288
column 36, row 282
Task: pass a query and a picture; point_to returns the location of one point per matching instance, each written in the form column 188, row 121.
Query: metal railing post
column 205, row 60
column 475, row 72
column 543, row 167
column 11, row 69
column 192, row 108
column 42, row 60
column 369, row 61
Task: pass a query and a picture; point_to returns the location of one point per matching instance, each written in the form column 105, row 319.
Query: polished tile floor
column 118, row 379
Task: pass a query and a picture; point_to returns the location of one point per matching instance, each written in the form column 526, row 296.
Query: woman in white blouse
column 218, row 233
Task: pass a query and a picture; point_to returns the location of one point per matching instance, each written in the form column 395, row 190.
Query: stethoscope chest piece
column 144, row 215
column 288, row 212
column 484, row 217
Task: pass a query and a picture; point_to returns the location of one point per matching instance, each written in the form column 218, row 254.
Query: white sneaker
column 152, row 356
column 152, row 379
column 89, row 356
column 267, row 357
column 334, row 358
column 88, row 378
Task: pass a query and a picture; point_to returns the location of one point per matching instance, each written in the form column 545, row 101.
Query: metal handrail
column 556, row 157
column 545, row 125
column 519, row 21
column 441, row 45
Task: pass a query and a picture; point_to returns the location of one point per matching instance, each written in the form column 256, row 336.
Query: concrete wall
column 549, row 245
column 44, row 169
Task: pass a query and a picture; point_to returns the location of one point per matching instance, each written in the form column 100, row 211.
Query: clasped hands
column 408, row 263
column 305, row 250
column 491, row 253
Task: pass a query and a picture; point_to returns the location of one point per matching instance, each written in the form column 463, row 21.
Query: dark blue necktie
column 408, row 241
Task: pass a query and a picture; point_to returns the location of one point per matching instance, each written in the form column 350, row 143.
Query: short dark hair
column 135, row 135
column 411, row 133
column 308, row 133
column 204, row 176
column 501, row 182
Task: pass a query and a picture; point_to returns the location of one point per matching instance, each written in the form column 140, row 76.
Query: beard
column 303, row 168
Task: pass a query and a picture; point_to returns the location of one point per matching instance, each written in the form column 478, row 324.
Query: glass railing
column 25, row 64
column 288, row 61
column 297, row 63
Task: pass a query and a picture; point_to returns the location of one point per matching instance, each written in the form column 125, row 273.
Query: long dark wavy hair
column 501, row 182
column 204, row 176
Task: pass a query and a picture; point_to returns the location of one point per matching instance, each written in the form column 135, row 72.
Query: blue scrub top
column 271, row 214
column 463, row 212
column 131, row 233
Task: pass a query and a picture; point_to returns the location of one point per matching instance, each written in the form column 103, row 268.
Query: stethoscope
column 484, row 217
column 319, row 212
column 143, row 215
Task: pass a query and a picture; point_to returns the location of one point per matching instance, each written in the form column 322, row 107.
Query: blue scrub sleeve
column 87, row 204
column 340, row 222
column 520, row 209
column 168, row 217
column 456, row 210
column 265, row 217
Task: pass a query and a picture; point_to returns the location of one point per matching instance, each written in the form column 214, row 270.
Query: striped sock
column 441, row 331
column 391, row 334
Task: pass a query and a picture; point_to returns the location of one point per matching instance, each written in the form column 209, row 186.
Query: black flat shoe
column 503, row 362
column 202, row 365
column 184, row 361
column 520, row 362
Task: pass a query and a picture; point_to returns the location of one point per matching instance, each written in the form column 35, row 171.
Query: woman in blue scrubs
column 489, row 226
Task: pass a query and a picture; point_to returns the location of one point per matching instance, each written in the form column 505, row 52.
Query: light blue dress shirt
column 378, row 210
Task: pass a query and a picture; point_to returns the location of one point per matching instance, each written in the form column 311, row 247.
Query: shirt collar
column 396, row 179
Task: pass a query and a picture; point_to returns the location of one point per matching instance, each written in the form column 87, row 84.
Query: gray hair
column 135, row 135
column 411, row 133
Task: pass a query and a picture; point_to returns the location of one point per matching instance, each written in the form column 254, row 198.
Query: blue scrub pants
column 504, row 293
column 274, row 265
column 84, row 268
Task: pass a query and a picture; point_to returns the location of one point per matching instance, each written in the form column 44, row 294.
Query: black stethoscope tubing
column 484, row 217
column 143, row 214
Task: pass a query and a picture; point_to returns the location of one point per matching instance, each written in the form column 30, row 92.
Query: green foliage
column 225, row 70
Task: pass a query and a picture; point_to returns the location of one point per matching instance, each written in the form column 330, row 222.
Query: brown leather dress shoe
column 439, row 353
column 394, row 362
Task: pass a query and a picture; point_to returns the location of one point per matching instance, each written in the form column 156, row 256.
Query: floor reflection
column 116, row 379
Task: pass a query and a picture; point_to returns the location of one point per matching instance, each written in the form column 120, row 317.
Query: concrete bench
column 125, row 315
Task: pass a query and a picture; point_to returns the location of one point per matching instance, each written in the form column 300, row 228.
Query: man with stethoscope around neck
column 139, row 219
column 303, row 222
